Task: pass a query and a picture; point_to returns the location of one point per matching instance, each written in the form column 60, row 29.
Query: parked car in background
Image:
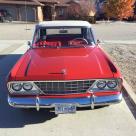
column 5, row 16
column 64, row 68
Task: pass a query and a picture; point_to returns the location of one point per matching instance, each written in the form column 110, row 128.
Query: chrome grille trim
column 64, row 87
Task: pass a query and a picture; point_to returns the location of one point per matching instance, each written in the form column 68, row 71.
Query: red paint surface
column 79, row 63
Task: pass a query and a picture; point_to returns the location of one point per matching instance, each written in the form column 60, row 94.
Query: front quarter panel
column 14, row 71
column 115, row 70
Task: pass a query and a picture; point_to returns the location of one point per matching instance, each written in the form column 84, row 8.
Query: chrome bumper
column 36, row 102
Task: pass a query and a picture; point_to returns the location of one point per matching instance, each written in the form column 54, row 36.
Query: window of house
column 61, row 12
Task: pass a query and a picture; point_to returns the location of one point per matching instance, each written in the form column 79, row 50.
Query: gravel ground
column 125, row 57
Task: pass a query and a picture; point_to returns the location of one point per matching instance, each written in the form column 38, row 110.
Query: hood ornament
column 64, row 71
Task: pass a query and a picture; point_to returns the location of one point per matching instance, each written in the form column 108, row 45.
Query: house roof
column 48, row 1
column 64, row 23
column 18, row 2
column 42, row 2
column 28, row 2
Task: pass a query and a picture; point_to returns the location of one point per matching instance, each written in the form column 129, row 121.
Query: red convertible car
column 64, row 68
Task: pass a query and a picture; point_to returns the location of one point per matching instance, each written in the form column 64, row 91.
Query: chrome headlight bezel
column 112, row 84
column 16, row 86
column 117, row 81
column 101, row 84
column 23, row 91
column 27, row 86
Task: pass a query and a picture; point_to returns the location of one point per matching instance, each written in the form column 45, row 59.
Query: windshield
column 63, row 37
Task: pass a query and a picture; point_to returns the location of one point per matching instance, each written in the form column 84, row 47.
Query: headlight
column 101, row 84
column 22, row 88
column 107, row 84
column 16, row 86
column 27, row 86
column 112, row 84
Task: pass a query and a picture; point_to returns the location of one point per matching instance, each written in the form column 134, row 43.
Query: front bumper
column 37, row 102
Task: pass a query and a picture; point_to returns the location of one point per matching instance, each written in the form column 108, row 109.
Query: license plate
column 65, row 108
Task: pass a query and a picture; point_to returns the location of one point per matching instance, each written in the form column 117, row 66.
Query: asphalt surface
column 115, row 120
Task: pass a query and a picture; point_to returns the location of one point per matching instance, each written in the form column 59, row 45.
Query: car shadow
column 13, row 117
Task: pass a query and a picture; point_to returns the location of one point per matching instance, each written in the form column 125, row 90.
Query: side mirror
column 29, row 44
column 98, row 41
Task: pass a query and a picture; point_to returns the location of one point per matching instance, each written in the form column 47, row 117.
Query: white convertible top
column 64, row 23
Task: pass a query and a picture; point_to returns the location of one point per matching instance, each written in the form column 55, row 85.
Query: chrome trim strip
column 36, row 102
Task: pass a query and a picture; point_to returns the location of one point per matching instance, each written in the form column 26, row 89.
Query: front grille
column 64, row 87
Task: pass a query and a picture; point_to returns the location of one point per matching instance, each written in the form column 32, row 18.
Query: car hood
column 64, row 64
